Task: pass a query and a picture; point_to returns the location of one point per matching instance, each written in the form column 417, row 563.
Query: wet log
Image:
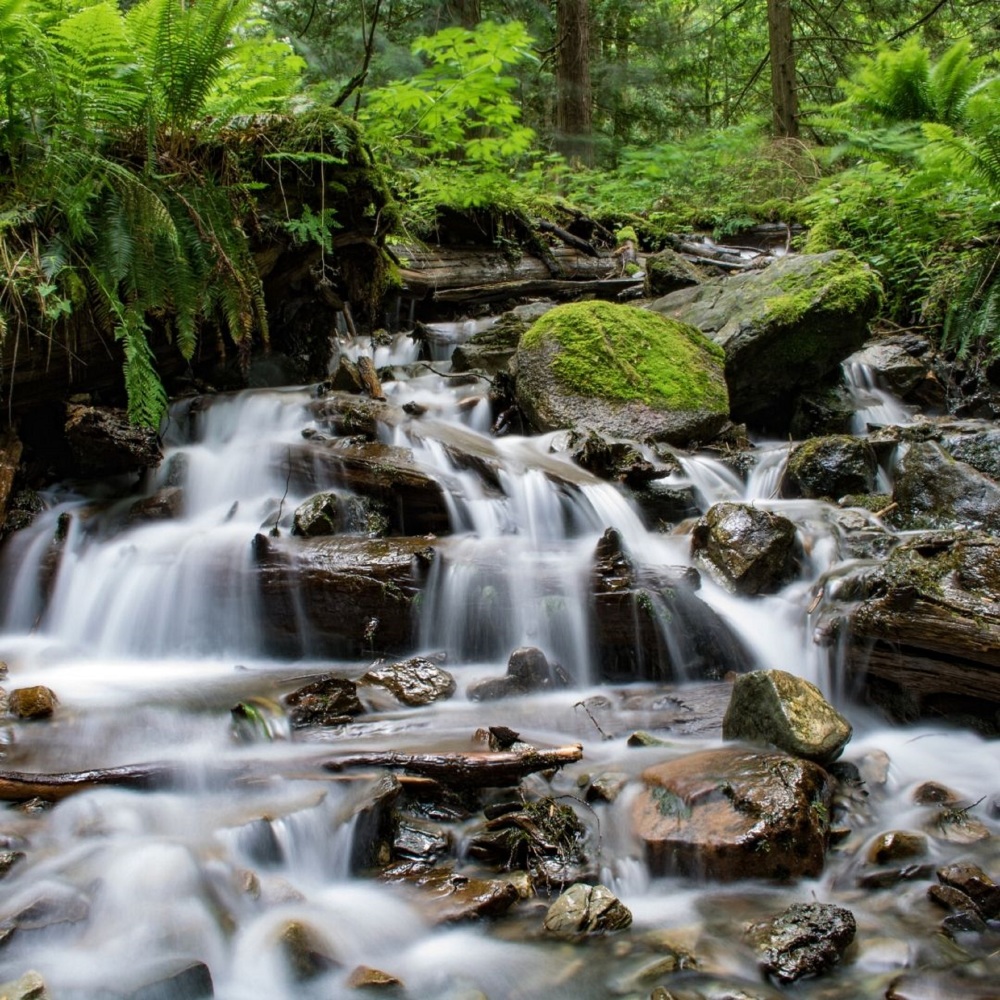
column 568, row 238
column 603, row 288
column 19, row 786
column 474, row 769
column 369, row 377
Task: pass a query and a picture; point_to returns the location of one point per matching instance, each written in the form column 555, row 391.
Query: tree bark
column 465, row 13
column 784, row 99
column 573, row 93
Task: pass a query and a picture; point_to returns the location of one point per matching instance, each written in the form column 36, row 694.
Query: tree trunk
column 573, row 95
column 464, row 13
column 784, row 99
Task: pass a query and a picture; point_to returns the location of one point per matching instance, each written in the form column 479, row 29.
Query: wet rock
column 10, row 459
column 448, row 898
column 416, row 681
column 957, row 826
column 606, row 787
column 38, row 702
column 418, row 840
column 896, row 845
column 587, row 909
column 924, row 636
column 823, row 410
column 965, row 922
column 833, row 466
column 950, row 898
column 375, row 824
column 346, row 378
column 749, row 550
column 806, row 940
column 651, row 625
column 527, row 670
column 624, row 372
column 307, row 955
column 491, row 350
column 900, row 362
column 8, row 859
column 930, row 793
column 980, row 450
column 163, row 505
column 664, row 506
column 667, row 271
column 975, row 883
column 618, row 461
column 329, row 701
column 366, row 978
column 730, row 814
column 171, row 980
column 347, row 594
column 772, row 706
column 22, row 509
column 321, row 514
column 873, row 767
column 30, row 986
column 891, row 877
column 783, row 329
column 102, row 442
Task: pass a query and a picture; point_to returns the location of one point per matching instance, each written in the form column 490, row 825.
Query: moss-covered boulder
column 783, row 329
column 773, row 706
column 668, row 271
column 621, row 371
column 833, row 466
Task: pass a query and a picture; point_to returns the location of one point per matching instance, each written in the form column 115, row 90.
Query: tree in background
column 573, row 92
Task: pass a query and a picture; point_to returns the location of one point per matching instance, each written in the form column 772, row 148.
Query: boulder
column 10, row 459
column 900, row 362
column 667, row 271
column 163, row 505
column 747, row 549
column 730, row 814
column 491, row 350
column 338, row 595
column 980, row 450
column 618, row 461
column 772, row 706
column 102, row 442
column 38, row 702
column 527, row 670
column 805, row 940
column 623, row 372
column 783, row 329
column 650, row 624
column 833, row 466
column 932, row 490
column 329, row 701
column 587, row 909
column 416, row 681
column 925, row 634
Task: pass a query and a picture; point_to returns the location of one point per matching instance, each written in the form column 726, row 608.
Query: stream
column 150, row 631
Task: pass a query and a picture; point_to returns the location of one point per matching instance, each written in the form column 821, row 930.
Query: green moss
column 847, row 286
column 626, row 234
column 623, row 353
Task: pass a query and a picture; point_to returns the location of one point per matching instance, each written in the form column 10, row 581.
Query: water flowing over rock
column 776, row 707
column 587, row 909
column 833, row 466
column 806, row 940
column 749, row 550
column 328, row 701
column 38, row 702
column 932, row 490
column 623, row 372
column 528, row 670
column 783, row 329
column 901, row 362
column 491, row 350
column 981, row 450
column 926, row 633
column 733, row 814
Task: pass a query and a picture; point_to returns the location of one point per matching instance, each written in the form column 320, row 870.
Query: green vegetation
column 623, row 353
column 848, row 286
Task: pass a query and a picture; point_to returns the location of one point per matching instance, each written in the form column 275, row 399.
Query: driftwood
column 369, row 377
column 567, row 237
column 603, row 288
column 474, row 769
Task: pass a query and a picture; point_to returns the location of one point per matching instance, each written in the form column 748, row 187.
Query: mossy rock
column 621, row 371
column 832, row 466
column 783, row 329
column 668, row 271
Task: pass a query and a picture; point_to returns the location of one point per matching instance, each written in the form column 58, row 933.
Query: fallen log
column 473, row 769
column 369, row 377
column 603, row 288
column 568, row 238
column 19, row 786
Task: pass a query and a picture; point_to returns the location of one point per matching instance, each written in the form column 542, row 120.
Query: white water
column 150, row 632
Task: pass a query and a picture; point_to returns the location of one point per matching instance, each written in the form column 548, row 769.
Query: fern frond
column 147, row 399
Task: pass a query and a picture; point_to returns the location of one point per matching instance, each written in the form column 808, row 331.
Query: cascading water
column 151, row 630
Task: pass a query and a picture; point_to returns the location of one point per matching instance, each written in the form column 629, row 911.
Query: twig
column 590, row 715
column 281, row 504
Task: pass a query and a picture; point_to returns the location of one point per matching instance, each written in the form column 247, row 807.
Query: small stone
column 956, row 826
column 7, row 861
column 304, row 951
column 449, row 898
column 418, row 840
column 807, row 939
column 976, row 884
column 893, row 876
column 896, row 845
column 966, row 922
column 874, row 768
column 37, row 702
column 772, row 706
column 191, row 980
column 413, row 682
column 950, row 898
column 587, row 909
column 329, row 701
column 607, row 787
column 366, row 978
column 640, row 738
column 30, row 986
column 319, row 515
column 931, row 793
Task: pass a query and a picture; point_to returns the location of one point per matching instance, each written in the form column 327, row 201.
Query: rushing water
column 150, row 631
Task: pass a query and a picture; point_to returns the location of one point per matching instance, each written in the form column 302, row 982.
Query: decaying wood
column 19, row 786
column 603, row 288
column 369, row 377
column 473, row 769
column 568, row 238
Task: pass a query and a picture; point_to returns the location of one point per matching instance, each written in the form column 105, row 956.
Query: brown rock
column 731, row 814
column 975, row 883
column 304, row 951
column 587, row 909
column 805, row 940
column 329, row 701
column 37, row 702
column 416, row 681
column 366, row 978
column 896, row 845
column 163, row 505
column 449, row 898
column 931, row 793
column 104, row 443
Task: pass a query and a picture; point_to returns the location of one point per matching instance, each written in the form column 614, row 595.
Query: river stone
column 366, row 978
column 414, row 682
column 103, row 442
column 329, row 701
column 667, row 271
column 896, row 845
column 490, row 350
column 319, row 515
column 306, row 953
column 833, row 466
column 623, row 372
column 772, row 706
column 783, row 329
column 30, row 986
column 730, row 814
column 932, row 490
column 189, row 979
column 805, row 940
column 527, row 670
column 587, row 909
column 749, row 550
column 447, row 897
column 38, row 702
column 975, row 883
